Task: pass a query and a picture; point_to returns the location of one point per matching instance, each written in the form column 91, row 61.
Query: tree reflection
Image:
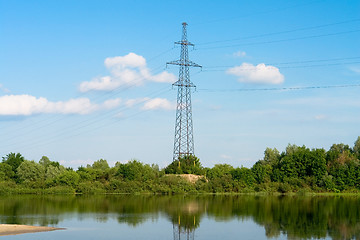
column 294, row 216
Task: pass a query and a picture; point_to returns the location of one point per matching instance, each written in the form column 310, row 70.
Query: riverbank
column 171, row 185
column 13, row 229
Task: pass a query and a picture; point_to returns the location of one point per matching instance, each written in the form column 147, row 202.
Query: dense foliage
column 297, row 169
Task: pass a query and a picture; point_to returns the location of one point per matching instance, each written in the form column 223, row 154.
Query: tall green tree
column 300, row 163
column 219, row 170
column 45, row 161
column 335, row 151
column 14, row 160
column 31, row 172
column 136, row 171
column 244, row 175
column 185, row 165
column 68, row 178
column 6, row 172
column 271, row 156
column 262, row 171
column 101, row 164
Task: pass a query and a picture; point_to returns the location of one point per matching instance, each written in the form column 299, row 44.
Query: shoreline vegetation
column 296, row 170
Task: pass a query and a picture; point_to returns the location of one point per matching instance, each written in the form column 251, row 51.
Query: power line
column 297, row 62
column 277, row 89
column 56, row 118
column 161, row 54
column 280, row 32
column 71, row 130
column 282, row 40
column 257, row 13
column 43, row 123
column 282, row 67
column 89, row 122
column 40, row 124
column 324, row 63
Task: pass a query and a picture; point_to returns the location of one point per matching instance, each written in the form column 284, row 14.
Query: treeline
column 297, row 169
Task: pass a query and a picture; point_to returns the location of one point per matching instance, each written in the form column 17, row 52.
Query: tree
column 244, row 175
column 52, row 173
column 185, row 165
column 68, row 178
column 219, row 170
column 31, row 172
column 262, row 171
column 135, row 170
column 300, row 163
column 14, row 160
column 335, row 151
column 45, row 161
column 271, row 156
column 345, row 170
column 101, row 164
column 6, row 172
column 317, row 164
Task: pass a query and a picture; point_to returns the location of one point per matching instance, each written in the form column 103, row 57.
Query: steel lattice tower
column 184, row 139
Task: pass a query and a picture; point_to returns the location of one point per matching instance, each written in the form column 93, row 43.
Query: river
column 185, row 216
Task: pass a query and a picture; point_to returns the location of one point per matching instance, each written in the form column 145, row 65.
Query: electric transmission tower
column 184, row 139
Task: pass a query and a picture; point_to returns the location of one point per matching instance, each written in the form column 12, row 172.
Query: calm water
column 185, row 217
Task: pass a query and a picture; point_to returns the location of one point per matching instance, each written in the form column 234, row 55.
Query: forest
column 297, row 169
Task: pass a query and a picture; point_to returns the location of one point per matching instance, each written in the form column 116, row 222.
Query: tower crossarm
column 182, row 84
column 181, row 63
column 185, row 42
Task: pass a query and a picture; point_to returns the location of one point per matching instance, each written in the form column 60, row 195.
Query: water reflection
column 185, row 219
column 296, row 217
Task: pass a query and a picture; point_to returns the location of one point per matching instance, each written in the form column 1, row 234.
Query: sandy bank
column 12, row 229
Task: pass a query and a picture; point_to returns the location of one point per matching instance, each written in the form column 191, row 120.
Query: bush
column 90, row 188
column 185, row 165
column 60, row 190
column 68, row 178
column 7, row 188
column 284, row 188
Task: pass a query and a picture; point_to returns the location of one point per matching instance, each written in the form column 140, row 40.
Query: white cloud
column 112, row 103
column 158, row 104
column 125, row 70
column 164, row 77
column 25, row 105
column 260, row 73
column 101, row 83
column 130, row 60
column 239, row 54
column 151, row 104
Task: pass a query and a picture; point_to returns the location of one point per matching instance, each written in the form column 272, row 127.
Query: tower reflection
column 184, row 231
column 185, row 220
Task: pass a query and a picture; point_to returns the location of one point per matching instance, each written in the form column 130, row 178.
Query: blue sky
column 84, row 80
